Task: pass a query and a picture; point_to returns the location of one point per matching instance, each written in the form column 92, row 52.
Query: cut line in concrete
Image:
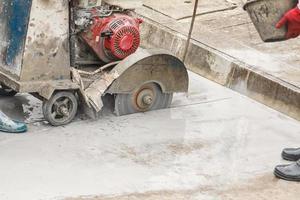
column 168, row 8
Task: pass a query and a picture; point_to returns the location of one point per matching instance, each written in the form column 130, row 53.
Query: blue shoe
column 10, row 126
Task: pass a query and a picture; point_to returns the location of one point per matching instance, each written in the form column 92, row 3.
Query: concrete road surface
column 213, row 144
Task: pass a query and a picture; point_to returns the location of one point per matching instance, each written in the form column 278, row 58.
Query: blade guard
column 146, row 66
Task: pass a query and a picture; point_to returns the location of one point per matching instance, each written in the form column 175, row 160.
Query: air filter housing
column 113, row 38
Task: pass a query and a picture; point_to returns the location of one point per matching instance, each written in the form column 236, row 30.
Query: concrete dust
column 23, row 108
column 206, row 146
column 161, row 195
column 263, row 188
column 154, row 154
column 32, row 110
column 185, row 148
column 13, row 107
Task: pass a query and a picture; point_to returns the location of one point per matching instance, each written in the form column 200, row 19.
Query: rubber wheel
column 6, row 91
column 61, row 108
column 146, row 98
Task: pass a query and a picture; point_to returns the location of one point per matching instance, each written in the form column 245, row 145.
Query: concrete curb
column 225, row 70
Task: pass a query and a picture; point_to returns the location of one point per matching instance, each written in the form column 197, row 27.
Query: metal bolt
column 64, row 111
column 147, row 100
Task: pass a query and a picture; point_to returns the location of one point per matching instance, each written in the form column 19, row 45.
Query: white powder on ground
column 6, row 120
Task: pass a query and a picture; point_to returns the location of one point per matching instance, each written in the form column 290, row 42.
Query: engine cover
column 113, row 38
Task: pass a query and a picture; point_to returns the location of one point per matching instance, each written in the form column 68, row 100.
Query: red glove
column 292, row 19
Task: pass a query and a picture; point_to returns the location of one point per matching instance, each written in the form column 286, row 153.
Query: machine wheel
column 6, row 91
column 61, row 108
column 146, row 98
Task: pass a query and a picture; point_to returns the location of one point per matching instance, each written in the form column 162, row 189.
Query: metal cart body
column 35, row 57
column 36, row 54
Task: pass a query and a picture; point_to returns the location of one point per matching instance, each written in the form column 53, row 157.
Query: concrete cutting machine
column 70, row 53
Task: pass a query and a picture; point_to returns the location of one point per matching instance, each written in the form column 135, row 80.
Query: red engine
column 113, row 38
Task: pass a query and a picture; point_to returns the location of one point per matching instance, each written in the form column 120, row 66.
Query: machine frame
column 45, row 67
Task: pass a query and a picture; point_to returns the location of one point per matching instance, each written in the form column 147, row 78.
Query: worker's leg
column 11, row 126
